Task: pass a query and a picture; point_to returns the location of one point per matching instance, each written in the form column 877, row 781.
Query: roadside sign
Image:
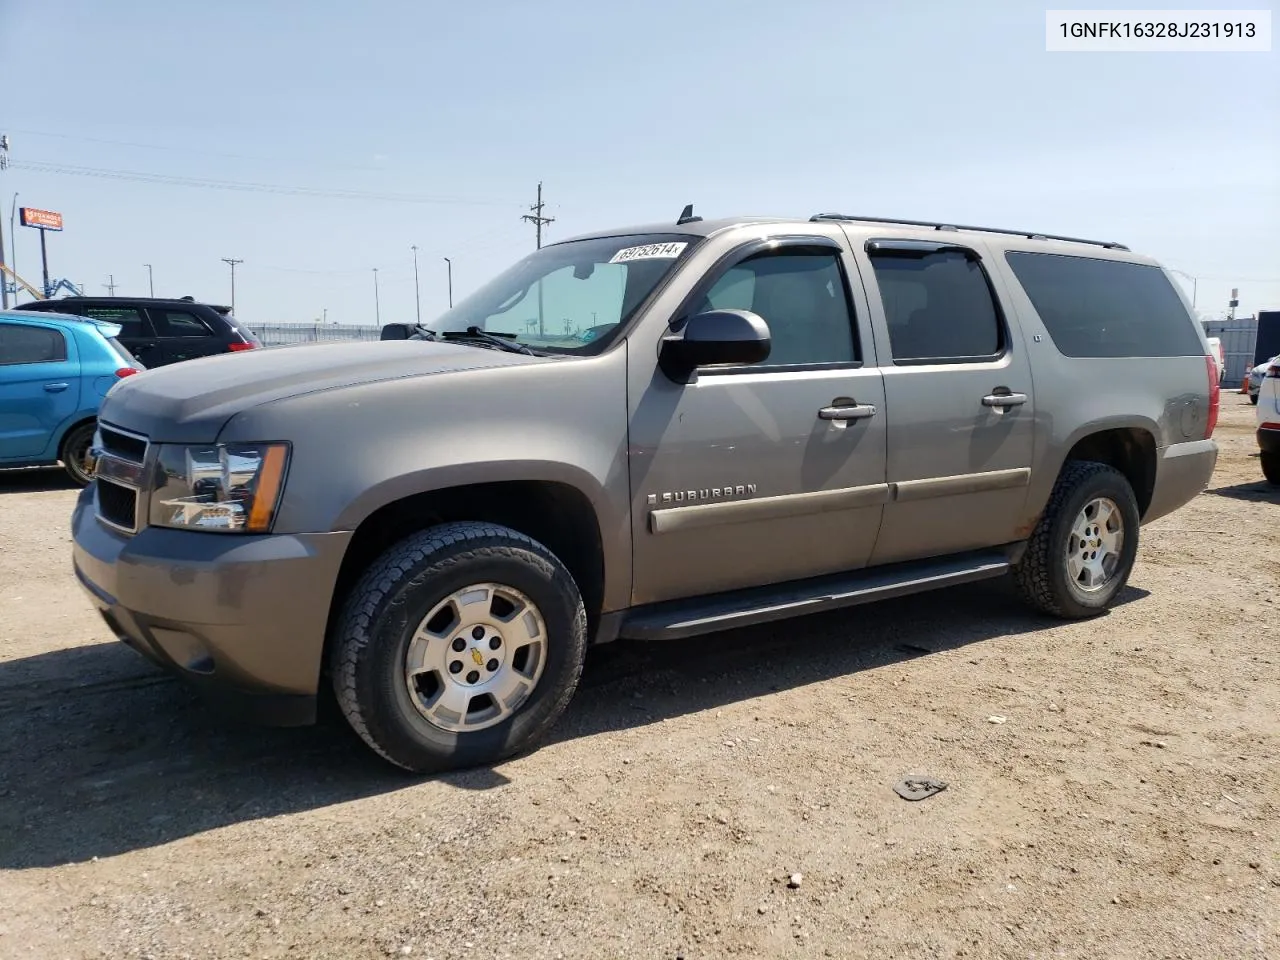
column 44, row 219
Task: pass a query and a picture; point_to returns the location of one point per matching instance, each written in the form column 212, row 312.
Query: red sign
column 45, row 219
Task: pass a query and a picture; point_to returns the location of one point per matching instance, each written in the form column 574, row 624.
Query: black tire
column 1042, row 575
column 384, row 609
column 1271, row 467
column 75, row 446
column 1253, row 398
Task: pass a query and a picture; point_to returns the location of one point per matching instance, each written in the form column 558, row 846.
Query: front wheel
column 75, row 453
column 1082, row 550
column 1253, row 398
column 461, row 646
column 1271, row 466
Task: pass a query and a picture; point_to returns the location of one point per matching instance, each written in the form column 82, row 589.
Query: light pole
column 1194, row 284
column 231, row 262
column 377, row 310
column 417, row 299
column 450, row 263
column 13, row 238
column 151, row 280
column 4, row 281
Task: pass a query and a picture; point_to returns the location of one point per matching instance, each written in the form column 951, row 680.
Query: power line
column 43, row 166
column 191, row 150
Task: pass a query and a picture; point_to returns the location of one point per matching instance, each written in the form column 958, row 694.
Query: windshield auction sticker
column 650, row 251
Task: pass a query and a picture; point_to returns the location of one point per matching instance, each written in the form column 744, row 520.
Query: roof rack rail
column 1030, row 235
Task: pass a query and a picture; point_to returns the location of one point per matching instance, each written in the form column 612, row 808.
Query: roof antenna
column 686, row 215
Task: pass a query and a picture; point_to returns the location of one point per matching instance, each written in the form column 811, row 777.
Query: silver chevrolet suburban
column 654, row 432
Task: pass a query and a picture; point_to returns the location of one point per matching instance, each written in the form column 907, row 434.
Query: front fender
column 359, row 448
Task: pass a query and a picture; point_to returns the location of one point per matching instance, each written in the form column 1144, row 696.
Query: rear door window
column 938, row 305
column 1106, row 308
column 133, row 322
column 22, row 344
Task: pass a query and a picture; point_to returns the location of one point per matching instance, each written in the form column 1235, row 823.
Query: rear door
column 959, row 397
column 39, row 387
column 184, row 335
column 136, row 332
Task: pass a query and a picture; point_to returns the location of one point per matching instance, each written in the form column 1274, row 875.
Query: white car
column 1269, row 422
column 1256, row 375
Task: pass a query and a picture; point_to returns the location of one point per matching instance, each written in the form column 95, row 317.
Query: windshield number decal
column 650, row 251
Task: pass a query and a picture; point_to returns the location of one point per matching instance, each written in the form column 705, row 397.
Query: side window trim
column 64, row 353
column 918, row 250
column 792, row 243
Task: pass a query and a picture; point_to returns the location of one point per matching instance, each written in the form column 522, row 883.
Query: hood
column 190, row 401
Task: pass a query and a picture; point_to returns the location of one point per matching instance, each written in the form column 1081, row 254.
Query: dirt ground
column 1129, row 805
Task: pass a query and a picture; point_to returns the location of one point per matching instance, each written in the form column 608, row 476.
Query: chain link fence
column 279, row 334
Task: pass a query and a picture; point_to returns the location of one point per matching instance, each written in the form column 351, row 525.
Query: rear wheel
column 75, row 453
column 460, row 646
column 1271, row 466
column 1082, row 550
column 1253, row 398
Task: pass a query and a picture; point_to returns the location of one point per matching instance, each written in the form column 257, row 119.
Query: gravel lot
column 1127, row 806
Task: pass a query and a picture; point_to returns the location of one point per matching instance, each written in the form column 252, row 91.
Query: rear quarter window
column 1106, row 308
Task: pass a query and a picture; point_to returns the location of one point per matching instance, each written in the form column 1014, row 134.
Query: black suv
column 161, row 331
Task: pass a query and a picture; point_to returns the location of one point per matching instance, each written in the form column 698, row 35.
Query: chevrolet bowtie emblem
column 475, row 655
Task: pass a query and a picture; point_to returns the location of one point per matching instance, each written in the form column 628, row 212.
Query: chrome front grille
column 118, row 458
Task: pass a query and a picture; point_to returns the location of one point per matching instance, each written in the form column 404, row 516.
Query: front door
column 39, row 388
column 769, row 472
column 959, row 393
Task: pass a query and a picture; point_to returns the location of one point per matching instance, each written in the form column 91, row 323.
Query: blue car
column 54, row 371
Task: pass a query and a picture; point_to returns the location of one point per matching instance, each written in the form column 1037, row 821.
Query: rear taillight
column 1273, row 370
column 125, row 372
column 1215, row 396
column 237, row 346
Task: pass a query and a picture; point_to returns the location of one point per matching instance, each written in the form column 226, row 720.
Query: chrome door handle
column 56, row 387
column 857, row 411
column 1004, row 399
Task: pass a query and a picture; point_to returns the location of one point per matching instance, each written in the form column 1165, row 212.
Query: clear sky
column 929, row 110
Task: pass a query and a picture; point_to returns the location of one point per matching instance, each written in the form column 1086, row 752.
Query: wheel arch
column 557, row 513
column 60, row 435
column 1127, row 444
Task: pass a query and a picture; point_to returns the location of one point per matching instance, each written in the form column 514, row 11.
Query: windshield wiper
column 502, row 343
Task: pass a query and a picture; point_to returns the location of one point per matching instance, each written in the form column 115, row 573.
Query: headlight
column 223, row 487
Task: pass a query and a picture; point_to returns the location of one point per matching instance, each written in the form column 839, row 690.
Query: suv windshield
column 571, row 297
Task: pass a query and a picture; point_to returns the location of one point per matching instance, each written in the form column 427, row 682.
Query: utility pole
column 151, row 280
column 417, row 298
column 231, row 262
column 4, row 280
column 450, row 263
column 377, row 309
column 536, row 218
column 111, row 284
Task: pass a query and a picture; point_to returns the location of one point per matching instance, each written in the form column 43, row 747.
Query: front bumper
column 242, row 618
column 1183, row 471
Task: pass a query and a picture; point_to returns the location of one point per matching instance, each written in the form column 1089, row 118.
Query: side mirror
column 396, row 331
column 713, row 337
